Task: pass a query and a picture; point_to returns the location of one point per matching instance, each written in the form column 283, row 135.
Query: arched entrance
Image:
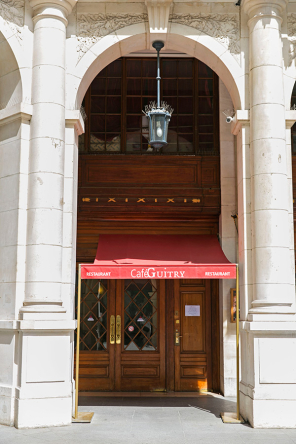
column 125, row 187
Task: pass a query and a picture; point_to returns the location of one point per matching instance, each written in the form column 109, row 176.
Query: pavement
column 151, row 420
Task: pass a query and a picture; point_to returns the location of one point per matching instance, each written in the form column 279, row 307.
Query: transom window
column 114, row 102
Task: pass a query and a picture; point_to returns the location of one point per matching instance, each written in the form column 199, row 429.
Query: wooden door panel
column 96, row 369
column 192, row 355
column 140, row 370
column 192, row 327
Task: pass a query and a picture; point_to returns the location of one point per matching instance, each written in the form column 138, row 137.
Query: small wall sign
column 233, row 305
column 131, row 328
column 192, row 310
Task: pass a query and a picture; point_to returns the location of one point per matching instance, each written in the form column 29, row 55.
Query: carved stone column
column 273, row 289
column 46, row 162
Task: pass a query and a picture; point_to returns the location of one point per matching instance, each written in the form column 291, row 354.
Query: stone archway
column 135, row 38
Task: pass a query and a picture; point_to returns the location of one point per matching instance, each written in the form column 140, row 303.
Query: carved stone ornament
column 291, row 22
column 92, row 27
column 12, row 12
column 222, row 27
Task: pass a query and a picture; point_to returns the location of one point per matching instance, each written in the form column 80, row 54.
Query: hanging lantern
column 159, row 114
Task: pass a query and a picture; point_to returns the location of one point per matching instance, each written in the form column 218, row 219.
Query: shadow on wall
column 10, row 79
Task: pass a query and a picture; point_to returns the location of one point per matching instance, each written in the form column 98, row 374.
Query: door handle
column 112, row 329
column 118, row 329
column 177, row 338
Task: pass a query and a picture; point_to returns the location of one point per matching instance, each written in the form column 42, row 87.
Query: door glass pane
column 140, row 315
column 94, row 314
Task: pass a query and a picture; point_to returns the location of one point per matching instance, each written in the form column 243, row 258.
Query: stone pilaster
column 46, row 161
column 268, row 324
column 272, row 289
column 45, row 386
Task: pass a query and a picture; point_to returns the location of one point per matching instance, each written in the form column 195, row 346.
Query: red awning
column 159, row 257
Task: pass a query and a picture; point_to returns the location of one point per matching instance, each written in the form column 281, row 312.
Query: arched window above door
column 114, row 102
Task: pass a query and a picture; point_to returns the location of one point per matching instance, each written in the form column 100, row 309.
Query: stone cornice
column 57, row 9
column 240, row 119
column 20, row 111
column 264, row 8
column 68, row 5
column 290, row 118
column 74, row 120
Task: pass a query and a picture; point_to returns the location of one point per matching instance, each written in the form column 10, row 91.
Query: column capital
column 57, row 9
column 264, row 8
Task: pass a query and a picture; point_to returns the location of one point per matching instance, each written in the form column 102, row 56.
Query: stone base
column 7, row 406
column 268, row 413
column 48, row 412
column 268, row 374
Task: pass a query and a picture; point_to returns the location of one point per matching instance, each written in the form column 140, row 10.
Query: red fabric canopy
column 159, row 257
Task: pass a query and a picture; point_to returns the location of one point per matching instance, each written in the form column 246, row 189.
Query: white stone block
column 269, row 192
column 277, row 360
column 46, row 191
column 48, row 121
column 268, row 230
column 50, row 85
column 47, row 263
column 45, row 226
column 46, row 42
column 47, row 358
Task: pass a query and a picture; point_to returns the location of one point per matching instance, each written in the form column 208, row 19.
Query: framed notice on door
column 233, row 305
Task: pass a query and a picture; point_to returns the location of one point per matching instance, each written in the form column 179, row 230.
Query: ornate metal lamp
column 159, row 115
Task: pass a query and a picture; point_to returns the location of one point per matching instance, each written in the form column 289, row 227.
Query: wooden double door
column 147, row 335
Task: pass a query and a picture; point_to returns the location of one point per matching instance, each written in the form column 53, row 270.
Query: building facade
column 75, row 164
